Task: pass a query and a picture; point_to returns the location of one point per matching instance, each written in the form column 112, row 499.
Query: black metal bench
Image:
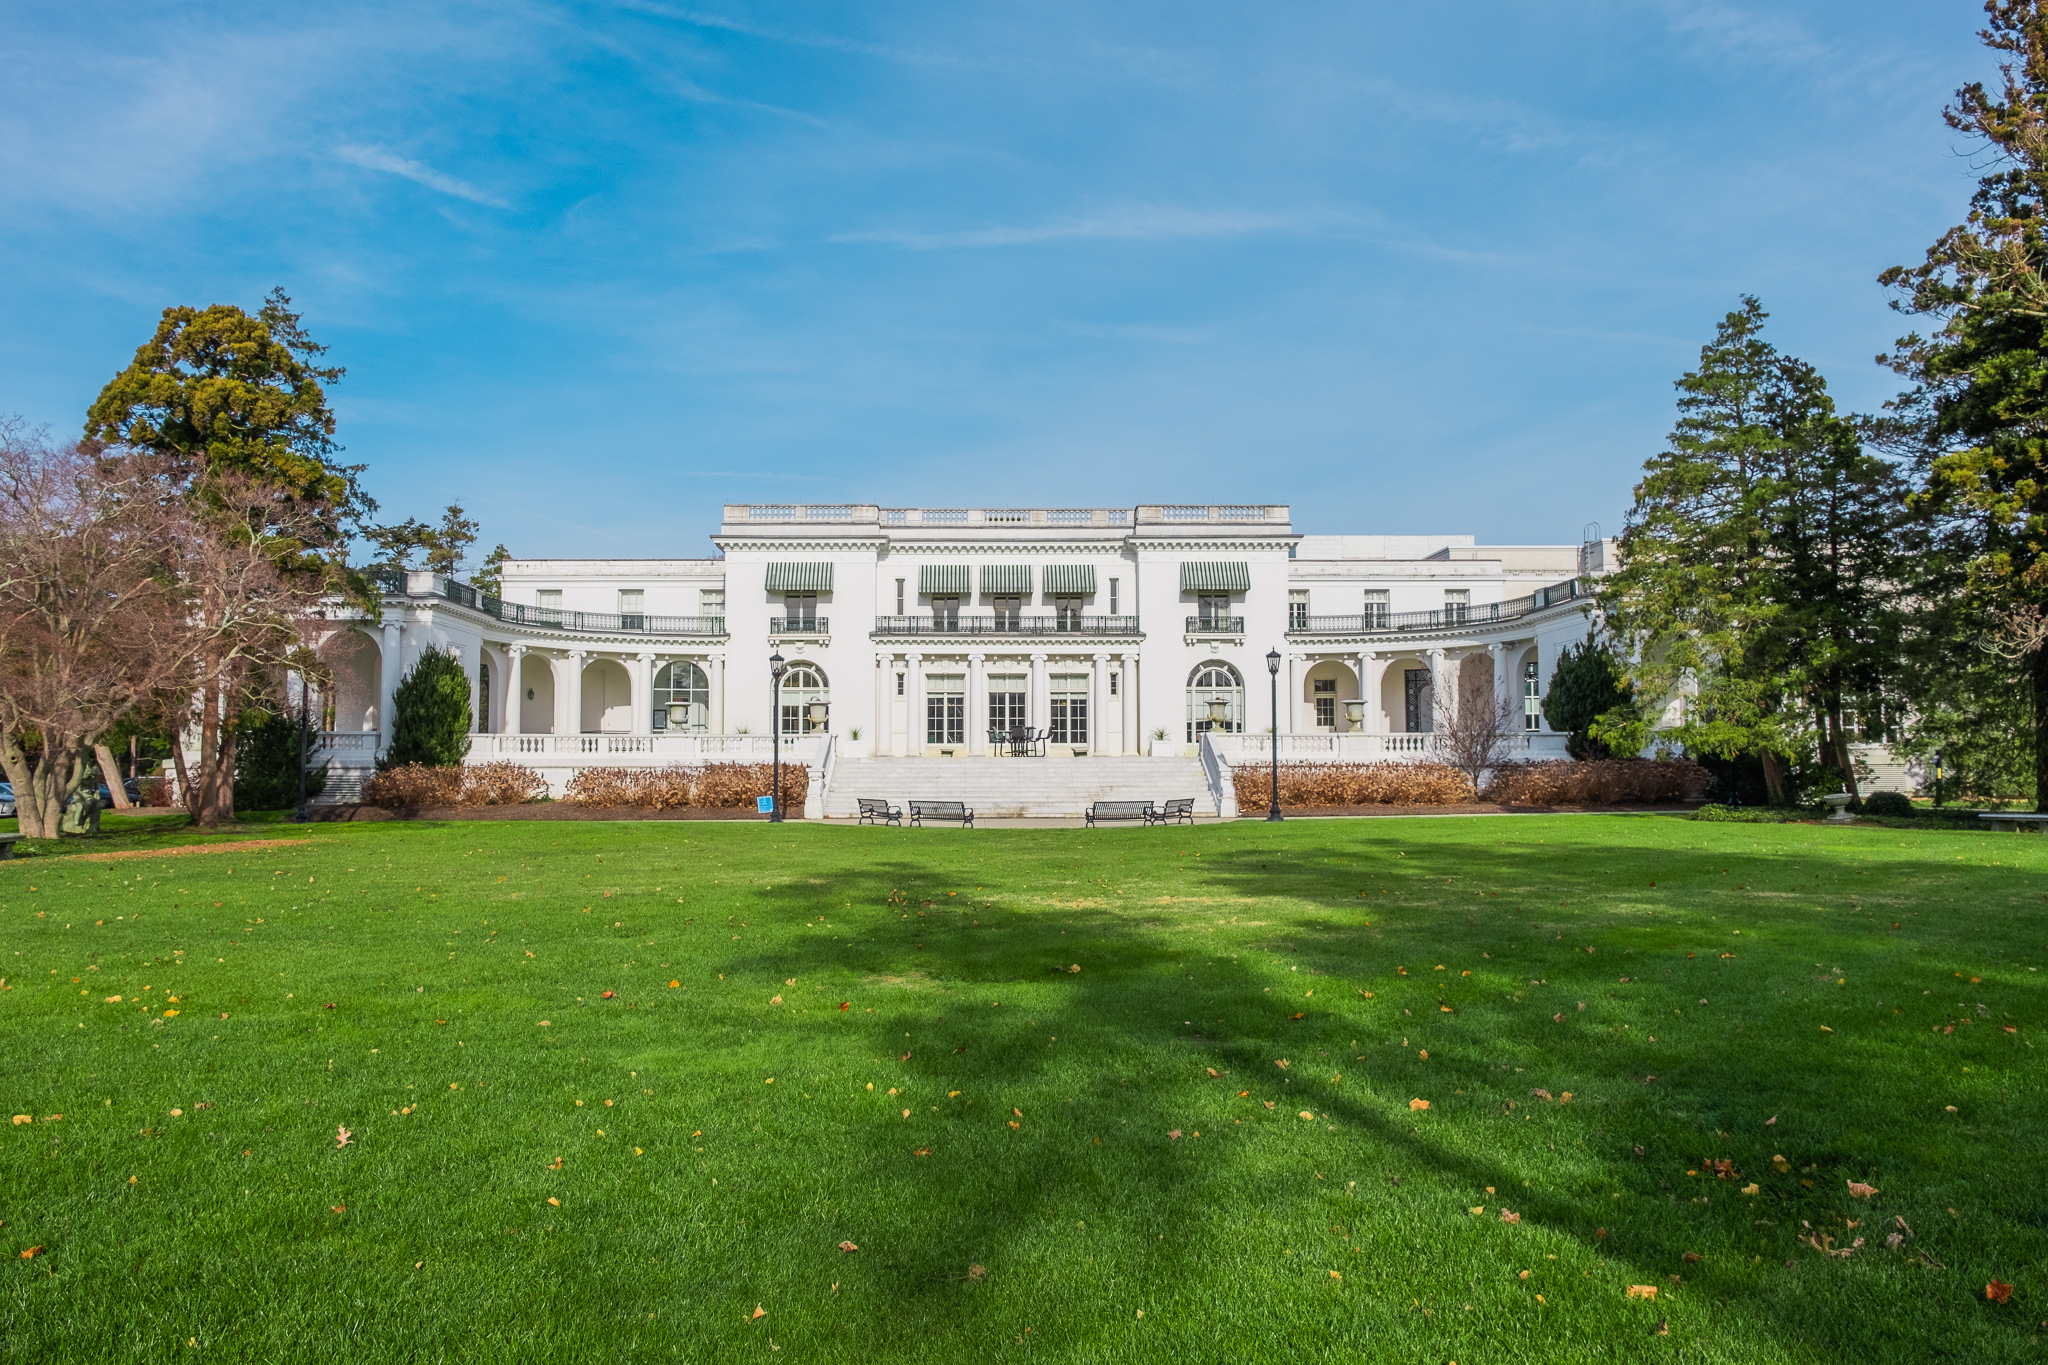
column 1180, row 810
column 1120, row 810
column 878, row 812
column 7, row 843
column 920, row 811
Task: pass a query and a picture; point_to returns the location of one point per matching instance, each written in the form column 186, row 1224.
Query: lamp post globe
column 777, row 666
column 1273, row 676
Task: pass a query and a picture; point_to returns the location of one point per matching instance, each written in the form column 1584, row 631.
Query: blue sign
column 765, row 804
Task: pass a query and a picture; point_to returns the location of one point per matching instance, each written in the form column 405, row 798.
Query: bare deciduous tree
column 1477, row 736
column 84, row 592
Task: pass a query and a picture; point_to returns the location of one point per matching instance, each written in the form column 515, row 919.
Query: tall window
column 550, row 602
column 946, row 613
column 1114, row 608
column 1068, row 611
column 1377, row 609
column 632, row 609
column 1005, row 702
column 1069, row 721
column 1457, row 604
column 1209, row 683
column 682, row 698
column 945, row 708
column 1532, row 698
column 711, row 602
column 1009, row 610
column 1421, row 711
column 899, row 597
column 1212, row 608
column 802, row 686
column 1297, row 609
column 483, row 696
column 800, row 609
column 1324, row 690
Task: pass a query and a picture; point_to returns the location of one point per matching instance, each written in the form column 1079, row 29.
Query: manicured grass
column 439, row 990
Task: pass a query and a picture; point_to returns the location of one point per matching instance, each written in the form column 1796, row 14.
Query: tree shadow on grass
column 1141, row 1033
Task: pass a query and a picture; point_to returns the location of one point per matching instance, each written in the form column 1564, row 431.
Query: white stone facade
column 913, row 632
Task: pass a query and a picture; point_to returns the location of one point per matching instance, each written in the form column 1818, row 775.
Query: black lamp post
column 777, row 666
column 1273, row 673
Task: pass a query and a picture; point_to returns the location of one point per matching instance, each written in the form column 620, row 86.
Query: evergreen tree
column 430, row 714
column 267, row 762
column 1978, row 408
column 491, row 577
column 1754, row 601
column 1587, row 683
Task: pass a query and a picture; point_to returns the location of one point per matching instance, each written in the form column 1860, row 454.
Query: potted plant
column 1159, row 748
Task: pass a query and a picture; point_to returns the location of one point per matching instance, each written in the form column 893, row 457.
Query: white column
column 569, row 707
column 1038, row 703
column 1098, row 709
column 714, row 674
column 885, row 691
column 392, row 663
column 1500, row 675
column 1292, row 678
column 913, row 705
column 515, row 690
column 643, row 695
column 1441, row 702
column 977, row 704
column 1127, row 687
column 1369, row 680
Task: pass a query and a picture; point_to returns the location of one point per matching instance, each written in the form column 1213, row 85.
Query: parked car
column 134, row 793
column 6, row 799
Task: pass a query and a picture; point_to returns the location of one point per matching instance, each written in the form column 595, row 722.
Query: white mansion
column 927, row 651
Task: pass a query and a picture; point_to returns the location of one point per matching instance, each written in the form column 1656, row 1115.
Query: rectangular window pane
column 1068, row 723
column 1326, row 713
column 1005, row 702
column 1297, row 609
column 1376, row 608
column 711, row 601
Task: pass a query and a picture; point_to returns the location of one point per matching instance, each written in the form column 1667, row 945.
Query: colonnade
column 913, row 667
column 1446, row 665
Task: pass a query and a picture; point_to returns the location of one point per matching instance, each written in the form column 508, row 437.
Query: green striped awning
column 1008, row 579
column 1198, row 577
column 1070, row 578
column 804, row 577
column 944, row 578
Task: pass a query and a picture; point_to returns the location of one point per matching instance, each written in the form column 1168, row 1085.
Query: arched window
column 684, row 694
column 802, row 687
column 1213, row 682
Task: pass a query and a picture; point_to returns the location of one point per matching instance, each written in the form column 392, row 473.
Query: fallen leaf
column 904, row 1058
column 1752, row 1188
column 1418, row 1104
column 920, row 1151
column 1861, row 1190
column 554, row 1201
column 1213, row 1071
column 341, row 1208
column 1998, row 1291
column 846, row 1004
column 32, row 1253
column 848, row 1246
column 341, row 1136
column 1013, row 1123
column 1508, row 1217
column 1690, row 1257
column 1307, row 1114
column 759, row 1312
column 1282, row 1063
column 1641, row 1291
column 1174, row 1134
column 1540, row 1094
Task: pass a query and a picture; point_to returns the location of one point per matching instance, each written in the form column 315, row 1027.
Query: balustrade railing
column 362, row 742
column 799, row 625
column 1443, row 618
column 1358, row 746
column 1003, row 624
column 1215, row 625
column 663, row 748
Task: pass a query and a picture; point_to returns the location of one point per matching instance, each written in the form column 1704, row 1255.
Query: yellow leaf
column 1418, row 1104
column 1641, row 1291
column 759, row 1312
column 1752, row 1189
column 554, row 1201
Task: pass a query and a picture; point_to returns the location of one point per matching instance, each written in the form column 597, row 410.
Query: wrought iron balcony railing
column 1452, row 617
column 1003, row 624
column 799, row 625
column 1215, row 625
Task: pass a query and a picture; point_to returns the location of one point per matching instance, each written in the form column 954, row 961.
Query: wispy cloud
column 823, row 41
column 1139, row 224
column 1744, row 33
column 419, row 172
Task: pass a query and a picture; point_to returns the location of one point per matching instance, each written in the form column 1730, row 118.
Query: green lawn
column 879, row 1037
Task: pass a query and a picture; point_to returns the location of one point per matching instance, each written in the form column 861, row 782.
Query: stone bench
column 2015, row 822
column 7, row 843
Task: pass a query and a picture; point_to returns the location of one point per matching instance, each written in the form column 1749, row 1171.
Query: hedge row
column 706, row 786
column 1352, row 784
column 414, row 786
column 1558, row 782
column 1599, row 782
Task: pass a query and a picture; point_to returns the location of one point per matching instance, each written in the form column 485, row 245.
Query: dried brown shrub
column 156, row 791
column 1352, row 784
column 415, row 786
column 708, row 786
column 1599, row 782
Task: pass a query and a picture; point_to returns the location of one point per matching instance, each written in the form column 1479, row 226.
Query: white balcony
column 1361, row 747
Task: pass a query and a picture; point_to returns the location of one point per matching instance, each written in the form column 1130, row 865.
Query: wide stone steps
column 1012, row 787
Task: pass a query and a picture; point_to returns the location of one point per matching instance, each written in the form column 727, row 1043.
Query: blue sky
column 596, row 269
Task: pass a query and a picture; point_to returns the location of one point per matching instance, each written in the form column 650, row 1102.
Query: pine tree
column 430, row 714
column 1587, row 683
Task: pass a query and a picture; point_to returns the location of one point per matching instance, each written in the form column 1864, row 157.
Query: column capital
column 913, row 658
column 976, row 658
column 1038, row 657
column 645, row 656
column 1102, row 658
column 514, row 651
